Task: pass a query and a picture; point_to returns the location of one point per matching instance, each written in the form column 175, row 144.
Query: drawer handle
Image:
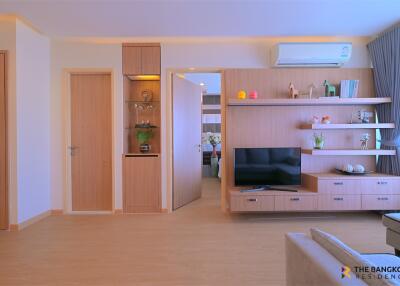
column 383, row 199
column 295, row 199
column 382, row 183
column 338, row 183
column 252, row 200
column 338, row 199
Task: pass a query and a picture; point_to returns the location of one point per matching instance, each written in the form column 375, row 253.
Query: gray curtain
column 385, row 56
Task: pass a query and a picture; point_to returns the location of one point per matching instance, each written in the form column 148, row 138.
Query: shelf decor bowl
column 353, row 173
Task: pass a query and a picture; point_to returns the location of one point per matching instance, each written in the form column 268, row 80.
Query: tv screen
column 267, row 166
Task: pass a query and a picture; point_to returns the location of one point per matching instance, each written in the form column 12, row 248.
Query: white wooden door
column 186, row 141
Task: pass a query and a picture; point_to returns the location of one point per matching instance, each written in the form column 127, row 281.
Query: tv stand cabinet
column 325, row 192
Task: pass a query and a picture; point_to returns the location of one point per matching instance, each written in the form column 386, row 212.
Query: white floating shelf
column 319, row 126
column 347, row 152
column 211, row 106
column 306, row 101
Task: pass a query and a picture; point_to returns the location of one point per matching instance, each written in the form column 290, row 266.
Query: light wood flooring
column 196, row 245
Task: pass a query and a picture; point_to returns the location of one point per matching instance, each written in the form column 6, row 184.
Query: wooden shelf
column 347, row 152
column 305, row 101
column 319, row 126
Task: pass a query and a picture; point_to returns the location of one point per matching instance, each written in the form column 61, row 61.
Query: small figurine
column 364, row 116
column 241, row 94
column 314, row 120
column 253, row 94
column 326, row 119
column 293, row 93
column 364, row 141
column 330, row 90
column 311, row 87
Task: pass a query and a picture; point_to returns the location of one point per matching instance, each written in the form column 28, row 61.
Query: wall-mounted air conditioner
column 310, row 54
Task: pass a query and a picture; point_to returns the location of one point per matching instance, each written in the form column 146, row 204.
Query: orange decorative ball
column 241, row 94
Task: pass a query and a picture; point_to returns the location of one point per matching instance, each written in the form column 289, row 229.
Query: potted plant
column 319, row 141
column 143, row 137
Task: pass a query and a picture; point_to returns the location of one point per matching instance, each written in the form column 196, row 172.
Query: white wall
column 71, row 55
column 33, row 122
column 248, row 53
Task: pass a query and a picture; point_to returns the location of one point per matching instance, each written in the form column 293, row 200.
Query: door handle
column 72, row 150
column 199, row 147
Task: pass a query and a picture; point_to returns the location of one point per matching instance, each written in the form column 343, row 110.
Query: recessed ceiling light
column 202, row 83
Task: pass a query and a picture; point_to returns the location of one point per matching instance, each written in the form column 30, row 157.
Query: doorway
column 196, row 129
column 90, row 149
column 3, row 144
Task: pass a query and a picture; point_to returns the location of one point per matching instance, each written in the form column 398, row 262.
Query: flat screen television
column 267, row 166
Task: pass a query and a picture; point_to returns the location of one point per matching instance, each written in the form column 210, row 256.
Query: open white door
column 186, row 141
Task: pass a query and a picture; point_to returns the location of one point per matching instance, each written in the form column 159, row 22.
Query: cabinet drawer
column 338, row 187
column 252, row 203
column 339, row 202
column 295, row 203
column 380, row 186
column 380, row 202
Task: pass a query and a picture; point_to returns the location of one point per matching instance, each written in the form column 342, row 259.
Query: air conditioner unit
column 310, row 54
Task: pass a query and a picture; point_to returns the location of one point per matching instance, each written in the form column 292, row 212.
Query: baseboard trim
column 28, row 222
column 57, row 212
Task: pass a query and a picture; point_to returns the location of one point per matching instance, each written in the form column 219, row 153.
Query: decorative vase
column 145, row 148
column 214, row 152
column 214, row 166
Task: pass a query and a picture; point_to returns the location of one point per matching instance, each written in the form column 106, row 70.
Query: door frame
column 170, row 132
column 7, row 156
column 67, row 142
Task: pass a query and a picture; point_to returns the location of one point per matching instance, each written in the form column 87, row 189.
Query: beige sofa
column 320, row 259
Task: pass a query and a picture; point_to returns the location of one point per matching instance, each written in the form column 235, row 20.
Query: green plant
column 143, row 136
column 319, row 141
column 213, row 139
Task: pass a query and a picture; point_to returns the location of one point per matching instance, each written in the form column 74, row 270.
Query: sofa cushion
column 347, row 256
column 392, row 221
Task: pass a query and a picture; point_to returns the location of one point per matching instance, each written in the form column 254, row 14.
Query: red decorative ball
column 253, row 94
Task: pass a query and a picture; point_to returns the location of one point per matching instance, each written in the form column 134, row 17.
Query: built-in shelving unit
column 319, row 126
column 211, row 106
column 306, row 101
column 348, row 152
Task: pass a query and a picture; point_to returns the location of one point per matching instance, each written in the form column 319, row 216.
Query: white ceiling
column 193, row 18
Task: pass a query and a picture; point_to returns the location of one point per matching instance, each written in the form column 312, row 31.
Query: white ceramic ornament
column 359, row 168
column 347, row 168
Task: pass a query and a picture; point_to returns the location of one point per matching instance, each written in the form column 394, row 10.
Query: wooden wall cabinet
column 141, row 59
column 142, row 183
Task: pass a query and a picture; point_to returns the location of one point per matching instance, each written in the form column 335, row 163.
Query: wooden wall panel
column 3, row 145
column 278, row 126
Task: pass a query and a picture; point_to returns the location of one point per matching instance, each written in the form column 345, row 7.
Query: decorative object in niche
column 347, row 168
column 330, row 90
column 147, row 95
column 364, row 141
column 143, row 136
column 319, row 141
column 293, row 93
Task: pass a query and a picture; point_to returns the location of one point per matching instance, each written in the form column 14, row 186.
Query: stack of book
column 349, row 88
